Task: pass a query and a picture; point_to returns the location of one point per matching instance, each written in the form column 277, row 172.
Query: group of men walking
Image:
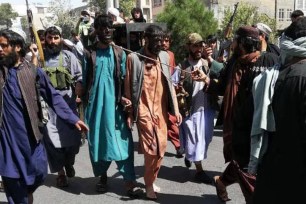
column 147, row 89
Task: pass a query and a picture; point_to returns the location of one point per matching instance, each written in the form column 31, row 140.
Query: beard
column 195, row 55
column 154, row 49
column 53, row 49
column 9, row 60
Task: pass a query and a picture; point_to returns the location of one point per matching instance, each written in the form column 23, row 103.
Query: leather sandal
column 221, row 189
column 134, row 192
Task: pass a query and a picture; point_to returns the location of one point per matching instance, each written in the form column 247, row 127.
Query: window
column 289, row 12
column 148, row 2
column 281, row 14
column 40, row 10
column 157, row 3
column 300, row 4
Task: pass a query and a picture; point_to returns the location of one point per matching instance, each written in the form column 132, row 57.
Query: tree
column 248, row 15
column 98, row 4
column 6, row 14
column 184, row 17
column 125, row 5
column 61, row 16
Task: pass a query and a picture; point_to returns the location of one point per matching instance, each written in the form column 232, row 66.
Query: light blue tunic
column 109, row 138
column 196, row 130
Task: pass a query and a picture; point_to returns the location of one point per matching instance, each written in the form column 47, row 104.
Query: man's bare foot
column 150, row 194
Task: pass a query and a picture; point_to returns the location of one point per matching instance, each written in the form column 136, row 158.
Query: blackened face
column 155, row 44
column 105, row 34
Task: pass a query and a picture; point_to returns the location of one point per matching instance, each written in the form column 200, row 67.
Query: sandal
column 134, row 192
column 221, row 189
column 61, row 181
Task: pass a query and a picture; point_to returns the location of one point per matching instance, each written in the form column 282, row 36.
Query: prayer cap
column 113, row 11
column 20, row 32
column 56, row 27
column 264, row 28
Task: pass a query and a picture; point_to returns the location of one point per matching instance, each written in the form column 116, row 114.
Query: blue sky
column 75, row 3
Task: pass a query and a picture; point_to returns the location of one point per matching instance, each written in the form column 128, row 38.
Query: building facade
column 157, row 7
column 146, row 6
column 283, row 9
column 39, row 11
column 276, row 9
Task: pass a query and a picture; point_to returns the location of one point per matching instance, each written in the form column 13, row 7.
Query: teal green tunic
column 109, row 138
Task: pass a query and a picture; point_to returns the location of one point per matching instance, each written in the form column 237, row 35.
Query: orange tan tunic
column 153, row 111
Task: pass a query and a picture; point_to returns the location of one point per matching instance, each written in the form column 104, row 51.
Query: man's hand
column 129, row 122
column 127, row 104
column 178, row 119
column 207, row 52
column 198, row 75
column 81, row 126
column 79, row 90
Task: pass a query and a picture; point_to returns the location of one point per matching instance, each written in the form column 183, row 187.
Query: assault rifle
column 33, row 34
column 227, row 32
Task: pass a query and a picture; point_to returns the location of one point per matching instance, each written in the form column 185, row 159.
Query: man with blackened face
column 104, row 29
column 153, row 43
column 148, row 85
column 111, row 139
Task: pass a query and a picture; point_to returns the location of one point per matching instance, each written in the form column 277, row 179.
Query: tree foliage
column 184, row 17
column 62, row 17
column 125, row 5
column 98, row 4
column 6, row 14
column 248, row 15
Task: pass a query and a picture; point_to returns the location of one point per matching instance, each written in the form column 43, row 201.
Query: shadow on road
column 78, row 185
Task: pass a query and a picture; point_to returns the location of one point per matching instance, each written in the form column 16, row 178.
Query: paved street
column 176, row 182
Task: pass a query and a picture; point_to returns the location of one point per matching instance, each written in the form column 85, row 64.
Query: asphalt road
column 176, row 181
